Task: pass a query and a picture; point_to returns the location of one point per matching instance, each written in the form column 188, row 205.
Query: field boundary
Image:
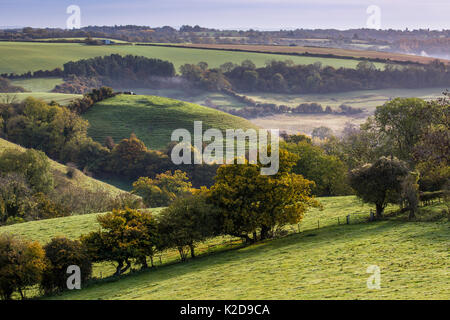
column 303, row 54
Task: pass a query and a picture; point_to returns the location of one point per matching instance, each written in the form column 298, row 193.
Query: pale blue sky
column 230, row 14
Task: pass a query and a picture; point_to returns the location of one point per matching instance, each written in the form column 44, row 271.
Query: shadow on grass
column 318, row 238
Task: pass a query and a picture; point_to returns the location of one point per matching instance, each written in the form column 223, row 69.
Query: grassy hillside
column 327, row 263
column 38, row 84
column 61, row 98
column 20, row 57
column 153, row 118
column 60, row 170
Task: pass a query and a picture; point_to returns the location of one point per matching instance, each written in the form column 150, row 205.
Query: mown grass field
column 325, row 263
column 20, row 57
column 61, row 98
column 153, row 119
column 60, row 170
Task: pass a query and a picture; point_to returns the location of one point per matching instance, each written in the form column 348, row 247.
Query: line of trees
column 257, row 109
column 286, row 77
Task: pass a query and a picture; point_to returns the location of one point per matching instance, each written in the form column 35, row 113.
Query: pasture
column 153, row 119
column 61, row 98
column 325, row 263
column 20, row 57
column 38, row 84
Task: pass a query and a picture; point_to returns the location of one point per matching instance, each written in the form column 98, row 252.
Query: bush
column 21, row 265
column 162, row 190
column 379, row 183
column 33, row 164
column 61, row 253
column 187, row 221
column 126, row 235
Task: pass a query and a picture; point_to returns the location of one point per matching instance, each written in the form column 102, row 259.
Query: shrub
column 379, row 183
column 187, row 221
column 33, row 164
column 162, row 190
column 21, row 265
column 61, row 253
column 126, row 235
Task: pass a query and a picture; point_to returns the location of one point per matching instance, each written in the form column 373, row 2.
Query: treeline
column 57, row 72
column 115, row 71
column 257, row 109
column 116, row 67
column 198, row 34
column 285, row 77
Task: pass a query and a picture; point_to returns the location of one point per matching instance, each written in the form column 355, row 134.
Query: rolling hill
column 153, row 119
column 325, row 263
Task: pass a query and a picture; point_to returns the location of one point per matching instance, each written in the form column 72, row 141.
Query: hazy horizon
column 230, row 14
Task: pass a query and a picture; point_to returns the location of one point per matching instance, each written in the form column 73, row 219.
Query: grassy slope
column 327, row 263
column 61, row 98
column 21, row 57
column 153, row 118
column 38, row 84
column 59, row 171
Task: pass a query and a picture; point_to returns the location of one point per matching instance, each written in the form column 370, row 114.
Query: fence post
column 318, row 224
column 298, row 226
column 348, row 219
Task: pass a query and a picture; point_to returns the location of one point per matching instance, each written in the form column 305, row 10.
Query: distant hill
column 153, row 119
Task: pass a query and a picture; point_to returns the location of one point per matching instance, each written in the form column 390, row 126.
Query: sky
column 231, row 14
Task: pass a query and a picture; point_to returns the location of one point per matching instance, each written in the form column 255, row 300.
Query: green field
column 61, row 98
column 38, row 84
column 20, row 57
column 365, row 99
column 60, row 170
column 325, row 263
column 153, row 119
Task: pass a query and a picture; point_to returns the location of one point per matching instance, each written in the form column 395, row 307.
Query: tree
column 21, row 265
column 15, row 195
column 404, row 121
column 379, row 183
column 62, row 253
column 328, row 172
column 322, row 132
column 186, row 222
column 126, row 235
column 33, row 164
column 162, row 190
column 251, row 202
